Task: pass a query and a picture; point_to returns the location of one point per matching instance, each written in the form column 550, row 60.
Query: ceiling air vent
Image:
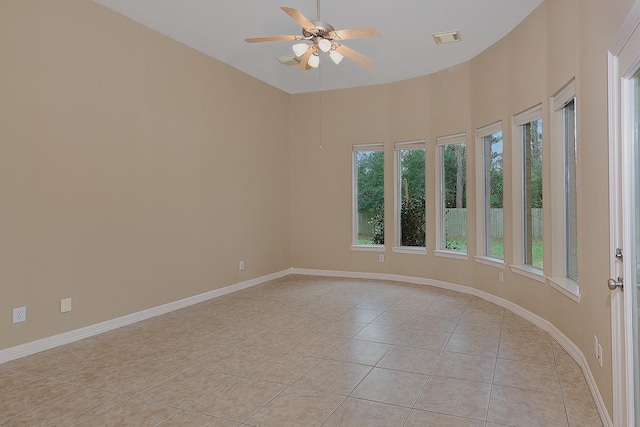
column 288, row 60
column 447, row 37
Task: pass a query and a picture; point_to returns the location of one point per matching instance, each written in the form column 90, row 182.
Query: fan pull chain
column 320, row 132
column 320, row 91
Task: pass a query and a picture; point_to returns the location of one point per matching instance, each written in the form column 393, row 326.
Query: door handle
column 613, row 284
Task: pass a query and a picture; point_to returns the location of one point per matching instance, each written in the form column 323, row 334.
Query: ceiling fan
column 318, row 36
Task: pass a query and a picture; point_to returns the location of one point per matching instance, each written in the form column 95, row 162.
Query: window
column 571, row 187
column 410, row 194
column 564, row 192
column 490, row 199
column 451, row 181
column 527, row 191
column 532, row 192
column 368, row 200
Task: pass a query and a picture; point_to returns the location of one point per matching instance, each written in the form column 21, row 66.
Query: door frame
column 620, row 177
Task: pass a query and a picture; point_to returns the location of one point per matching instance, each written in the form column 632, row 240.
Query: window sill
column 369, row 248
column 493, row 262
column 451, row 254
column 409, row 250
column 565, row 286
column 528, row 271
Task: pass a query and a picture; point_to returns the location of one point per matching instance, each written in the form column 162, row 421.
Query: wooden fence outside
column 455, row 222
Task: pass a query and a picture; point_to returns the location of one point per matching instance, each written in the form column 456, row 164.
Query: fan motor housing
column 323, row 30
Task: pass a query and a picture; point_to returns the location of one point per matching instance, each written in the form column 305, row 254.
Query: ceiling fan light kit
column 300, row 48
column 335, row 56
column 324, row 45
column 319, row 37
column 314, row 60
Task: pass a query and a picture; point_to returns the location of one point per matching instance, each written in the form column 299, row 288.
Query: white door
column 624, row 174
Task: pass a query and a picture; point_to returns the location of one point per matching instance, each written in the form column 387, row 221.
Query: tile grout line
column 493, row 378
column 564, row 401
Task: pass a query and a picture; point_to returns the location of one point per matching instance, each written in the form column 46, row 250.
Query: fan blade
column 304, row 61
column 354, row 56
column 299, row 18
column 355, row 33
column 272, row 39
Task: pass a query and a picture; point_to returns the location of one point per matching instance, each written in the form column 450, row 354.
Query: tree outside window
column 493, row 193
column 369, row 196
column 532, row 174
column 412, row 197
column 454, row 197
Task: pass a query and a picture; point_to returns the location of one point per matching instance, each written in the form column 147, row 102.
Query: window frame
column 419, row 144
column 481, row 217
column 440, row 248
column 518, row 190
column 354, row 198
column 558, row 278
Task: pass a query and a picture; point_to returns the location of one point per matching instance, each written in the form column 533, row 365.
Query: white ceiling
column 405, row 50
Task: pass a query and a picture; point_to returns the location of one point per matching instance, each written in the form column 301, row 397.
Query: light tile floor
column 303, row 351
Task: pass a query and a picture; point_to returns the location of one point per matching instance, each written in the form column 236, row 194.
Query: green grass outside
column 456, row 244
column 537, row 253
column 365, row 240
column 497, row 248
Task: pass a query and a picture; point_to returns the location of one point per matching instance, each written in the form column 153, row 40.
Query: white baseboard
column 88, row 331
column 564, row 342
column 543, row 324
column 383, row 276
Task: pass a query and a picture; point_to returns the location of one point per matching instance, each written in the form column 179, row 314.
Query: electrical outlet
column 241, row 265
column 600, row 354
column 65, row 305
column 501, row 277
column 19, row 314
column 597, row 349
column 381, row 258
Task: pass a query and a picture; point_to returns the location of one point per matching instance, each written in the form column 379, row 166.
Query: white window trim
column 528, row 115
column 528, row 271
column 408, row 145
column 419, row 144
column 369, row 248
column 452, row 139
column 459, row 138
column 376, row 146
column 564, row 95
column 517, row 168
column 413, row 250
column 489, row 129
column 451, row 254
column 558, row 279
column 567, row 287
column 487, row 260
column 483, row 258
column 379, row 146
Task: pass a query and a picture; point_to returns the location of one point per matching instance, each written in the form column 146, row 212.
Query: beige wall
column 133, row 171
column 560, row 40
